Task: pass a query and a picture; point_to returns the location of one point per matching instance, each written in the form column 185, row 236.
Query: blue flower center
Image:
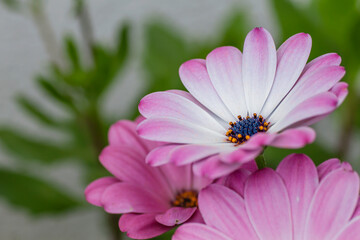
column 241, row 130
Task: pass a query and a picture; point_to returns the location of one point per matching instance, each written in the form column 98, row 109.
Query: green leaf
column 12, row 4
column 294, row 20
column 315, row 151
column 122, row 46
column 337, row 18
column 165, row 51
column 52, row 90
column 35, row 111
column 72, row 52
column 29, row 148
column 235, row 30
column 291, row 19
column 35, row 195
column 355, row 38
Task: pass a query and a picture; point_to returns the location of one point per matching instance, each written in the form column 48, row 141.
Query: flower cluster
column 190, row 160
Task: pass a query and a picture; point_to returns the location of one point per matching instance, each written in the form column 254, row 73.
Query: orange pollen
column 186, row 199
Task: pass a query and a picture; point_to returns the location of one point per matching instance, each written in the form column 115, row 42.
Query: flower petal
column 175, row 216
column 188, row 96
column 160, row 155
column 94, row 190
column 236, row 181
column 174, row 106
column 328, row 166
column 333, row 204
column 329, row 59
column 224, row 68
column 351, row 231
column 124, row 133
column 301, row 180
column 268, row 205
column 357, row 209
column 341, row 91
column 291, row 59
column 224, row 210
column 127, row 166
column 141, row 226
column 196, row 231
column 177, row 131
column 319, row 105
column 186, row 154
column 195, row 78
column 129, row 198
column 294, row 138
column 178, row 177
column 213, row 167
column 258, row 69
column 307, row 87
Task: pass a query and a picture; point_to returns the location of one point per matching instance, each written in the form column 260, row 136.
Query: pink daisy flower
column 238, row 103
column 152, row 200
column 297, row 201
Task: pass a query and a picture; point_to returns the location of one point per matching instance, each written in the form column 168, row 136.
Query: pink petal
column 301, row 180
column 242, row 154
column 351, row 231
column 357, row 209
column 259, row 66
column 213, row 167
column 224, row 68
column 291, row 59
column 175, row 216
column 94, row 190
column 196, row 231
column 196, row 218
column 124, row 163
column 191, row 98
column 224, row 210
column 124, row 133
column 329, row 59
column 236, row 180
column 186, row 154
column 294, row 138
column 177, row 131
column 141, row 226
column 307, row 87
column 160, row 155
column 328, row 166
column 129, row 198
column 171, row 105
column 341, row 91
column 268, row 205
column 195, row 78
column 258, row 140
column 333, row 204
column 178, row 177
column 323, row 103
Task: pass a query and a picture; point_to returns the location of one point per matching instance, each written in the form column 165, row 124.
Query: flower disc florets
column 241, row 131
column 186, row 199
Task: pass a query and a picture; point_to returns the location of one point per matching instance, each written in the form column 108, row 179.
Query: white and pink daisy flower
column 153, row 200
column 238, row 103
column 296, row 202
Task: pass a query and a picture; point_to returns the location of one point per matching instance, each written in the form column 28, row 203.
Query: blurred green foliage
column 79, row 87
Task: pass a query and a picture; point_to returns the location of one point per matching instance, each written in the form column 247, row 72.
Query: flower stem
column 260, row 161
